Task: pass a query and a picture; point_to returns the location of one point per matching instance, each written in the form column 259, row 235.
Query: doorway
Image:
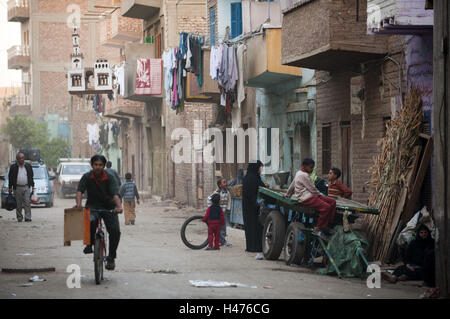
column 346, row 142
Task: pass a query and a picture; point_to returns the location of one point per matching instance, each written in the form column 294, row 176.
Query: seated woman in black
column 416, row 259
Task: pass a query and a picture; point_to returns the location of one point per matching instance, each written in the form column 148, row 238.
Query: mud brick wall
column 186, row 174
column 384, row 79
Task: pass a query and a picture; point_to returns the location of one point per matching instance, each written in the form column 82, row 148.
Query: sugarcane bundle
column 389, row 173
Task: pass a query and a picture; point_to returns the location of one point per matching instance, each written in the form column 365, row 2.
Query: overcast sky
column 9, row 36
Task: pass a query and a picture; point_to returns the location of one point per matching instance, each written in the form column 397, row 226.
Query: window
column 326, row 148
column 236, row 19
column 39, row 173
column 158, row 46
column 75, row 169
column 212, row 25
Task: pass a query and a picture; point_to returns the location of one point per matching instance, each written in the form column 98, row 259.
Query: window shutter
column 212, row 25
column 326, row 149
column 236, row 19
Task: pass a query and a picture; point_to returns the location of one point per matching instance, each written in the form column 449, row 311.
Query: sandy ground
column 154, row 244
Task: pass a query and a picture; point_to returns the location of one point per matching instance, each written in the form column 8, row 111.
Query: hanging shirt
column 167, row 64
column 93, row 133
column 232, row 69
column 223, row 73
column 120, row 78
column 189, row 53
column 240, row 82
column 110, row 134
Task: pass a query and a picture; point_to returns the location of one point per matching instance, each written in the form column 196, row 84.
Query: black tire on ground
column 294, row 251
column 183, row 234
column 273, row 235
column 98, row 260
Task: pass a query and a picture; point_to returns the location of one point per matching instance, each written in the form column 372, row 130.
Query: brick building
column 44, row 58
column 362, row 81
column 148, row 120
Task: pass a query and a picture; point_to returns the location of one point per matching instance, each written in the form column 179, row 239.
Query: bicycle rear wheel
column 98, row 260
column 194, row 232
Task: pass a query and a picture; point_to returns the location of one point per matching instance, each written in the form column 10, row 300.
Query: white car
column 69, row 173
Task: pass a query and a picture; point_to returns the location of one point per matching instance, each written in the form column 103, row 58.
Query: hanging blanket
column 149, row 77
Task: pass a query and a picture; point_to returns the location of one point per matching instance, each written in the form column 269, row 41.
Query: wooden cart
column 289, row 225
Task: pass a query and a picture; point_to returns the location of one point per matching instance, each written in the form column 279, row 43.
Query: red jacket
column 211, row 216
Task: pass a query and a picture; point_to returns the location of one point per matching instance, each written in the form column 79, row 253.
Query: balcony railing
column 20, row 105
column 18, row 10
column 399, row 17
column 18, row 57
column 140, row 9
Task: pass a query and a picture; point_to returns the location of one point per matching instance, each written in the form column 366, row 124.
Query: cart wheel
column 194, row 232
column 273, row 235
column 294, row 251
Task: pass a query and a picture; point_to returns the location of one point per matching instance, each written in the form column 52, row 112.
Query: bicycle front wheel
column 194, row 232
column 98, row 260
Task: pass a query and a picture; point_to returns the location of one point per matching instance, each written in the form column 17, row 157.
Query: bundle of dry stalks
column 388, row 174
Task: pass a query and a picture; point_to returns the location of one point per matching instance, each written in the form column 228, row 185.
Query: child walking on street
column 128, row 191
column 215, row 220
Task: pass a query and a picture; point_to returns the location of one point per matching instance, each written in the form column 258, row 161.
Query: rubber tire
column 297, row 250
column 98, row 260
column 183, row 234
column 276, row 220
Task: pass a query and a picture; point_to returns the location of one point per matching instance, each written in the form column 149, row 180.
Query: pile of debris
column 397, row 176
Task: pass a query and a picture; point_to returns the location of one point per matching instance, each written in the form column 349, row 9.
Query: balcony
column 120, row 108
column 399, row 17
column 331, row 36
column 140, row 9
column 263, row 68
column 125, row 29
column 20, row 105
column 258, row 13
column 18, row 57
column 18, row 10
column 106, row 35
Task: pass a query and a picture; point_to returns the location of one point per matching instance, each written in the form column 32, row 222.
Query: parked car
column 43, row 183
column 69, row 173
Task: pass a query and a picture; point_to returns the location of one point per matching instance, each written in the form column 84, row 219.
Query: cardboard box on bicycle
column 77, row 225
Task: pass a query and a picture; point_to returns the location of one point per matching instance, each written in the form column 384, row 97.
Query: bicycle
column 100, row 245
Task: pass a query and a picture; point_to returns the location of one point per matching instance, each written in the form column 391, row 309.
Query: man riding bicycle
column 102, row 194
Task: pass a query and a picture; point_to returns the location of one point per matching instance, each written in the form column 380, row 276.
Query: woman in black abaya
column 250, row 208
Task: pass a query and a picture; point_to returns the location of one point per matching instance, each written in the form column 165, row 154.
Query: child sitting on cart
column 215, row 220
column 335, row 187
column 308, row 195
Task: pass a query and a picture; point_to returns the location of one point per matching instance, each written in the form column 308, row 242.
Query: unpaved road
column 154, row 243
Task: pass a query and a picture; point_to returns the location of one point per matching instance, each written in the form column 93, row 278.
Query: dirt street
column 154, row 244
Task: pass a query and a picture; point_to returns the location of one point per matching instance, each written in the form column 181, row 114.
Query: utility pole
column 441, row 114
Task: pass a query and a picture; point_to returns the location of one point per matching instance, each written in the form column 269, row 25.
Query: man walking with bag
column 20, row 180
